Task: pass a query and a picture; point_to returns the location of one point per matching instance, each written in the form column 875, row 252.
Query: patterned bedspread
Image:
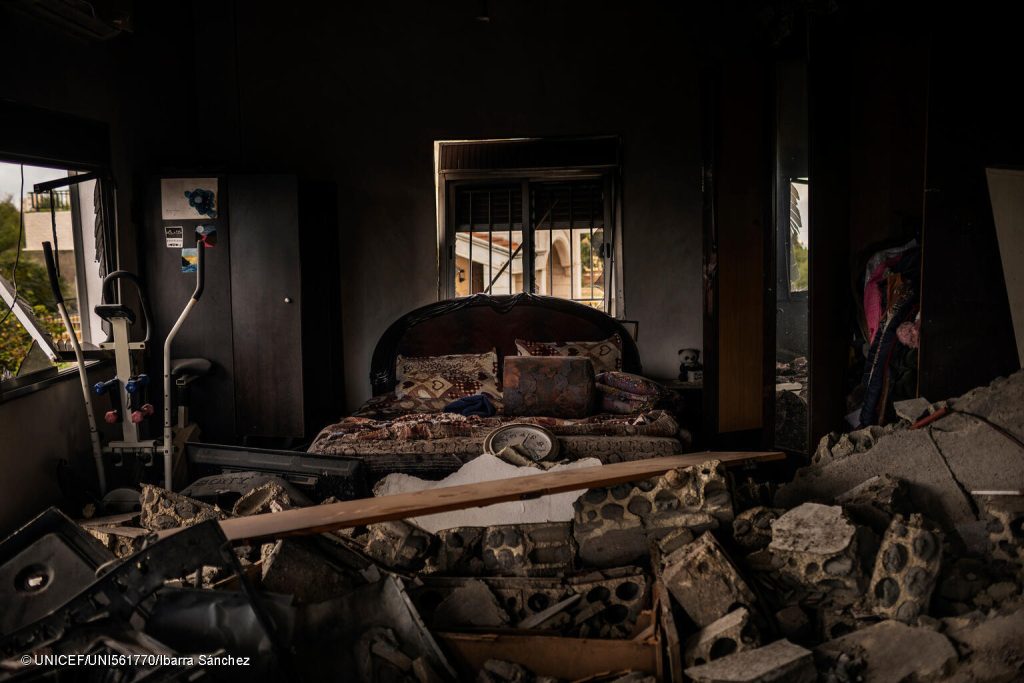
column 387, row 433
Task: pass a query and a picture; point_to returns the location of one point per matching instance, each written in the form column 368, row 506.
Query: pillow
column 605, row 355
column 447, row 377
column 550, row 387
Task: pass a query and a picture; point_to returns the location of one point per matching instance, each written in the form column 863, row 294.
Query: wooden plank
column 352, row 513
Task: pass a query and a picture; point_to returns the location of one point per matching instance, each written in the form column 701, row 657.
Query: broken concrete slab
column 966, row 454
column 817, row 547
column 552, row 508
column 735, row 632
column 778, row 662
column 270, row 496
column 752, row 529
column 704, row 581
column 894, row 652
column 906, row 569
column 163, row 509
column 617, row 525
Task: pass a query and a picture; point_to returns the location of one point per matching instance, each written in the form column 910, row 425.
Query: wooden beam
column 351, row 513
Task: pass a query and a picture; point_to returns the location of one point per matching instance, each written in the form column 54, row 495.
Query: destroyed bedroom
column 511, row 341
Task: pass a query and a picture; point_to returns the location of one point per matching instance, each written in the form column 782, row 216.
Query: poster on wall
column 188, row 198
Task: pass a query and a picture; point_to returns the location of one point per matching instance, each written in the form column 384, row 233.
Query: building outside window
column 565, row 247
column 31, row 332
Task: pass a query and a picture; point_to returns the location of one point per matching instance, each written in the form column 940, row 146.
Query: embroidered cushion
column 447, row 377
column 550, row 387
column 606, row 355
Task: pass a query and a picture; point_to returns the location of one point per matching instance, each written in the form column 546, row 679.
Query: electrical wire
column 17, row 255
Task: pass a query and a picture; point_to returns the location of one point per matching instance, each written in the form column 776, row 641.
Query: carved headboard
column 478, row 323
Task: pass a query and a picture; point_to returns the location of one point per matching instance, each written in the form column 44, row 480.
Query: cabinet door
column 266, row 315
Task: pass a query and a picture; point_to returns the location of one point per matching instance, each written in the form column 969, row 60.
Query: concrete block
column 906, row 569
column 778, row 662
column 529, row 549
column 705, row 582
column 816, row 546
column 735, row 632
column 752, row 529
column 616, row 525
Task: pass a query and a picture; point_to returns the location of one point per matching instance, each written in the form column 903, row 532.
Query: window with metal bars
column 559, row 250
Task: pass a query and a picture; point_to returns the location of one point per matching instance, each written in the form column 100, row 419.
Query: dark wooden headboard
column 478, row 323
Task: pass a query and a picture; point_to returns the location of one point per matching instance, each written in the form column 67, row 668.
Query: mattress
column 389, row 440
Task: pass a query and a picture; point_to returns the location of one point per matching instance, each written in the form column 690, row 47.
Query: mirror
column 792, row 248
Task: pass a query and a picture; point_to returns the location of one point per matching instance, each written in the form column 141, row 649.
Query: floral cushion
column 606, row 355
column 447, row 377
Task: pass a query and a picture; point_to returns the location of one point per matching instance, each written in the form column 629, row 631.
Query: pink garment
column 873, row 310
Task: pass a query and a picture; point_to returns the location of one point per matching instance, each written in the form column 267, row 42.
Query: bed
column 392, row 433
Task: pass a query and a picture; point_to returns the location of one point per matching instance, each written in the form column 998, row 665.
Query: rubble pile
column 897, row 555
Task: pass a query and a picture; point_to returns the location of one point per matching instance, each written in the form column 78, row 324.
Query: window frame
column 450, row 181
column 19, row 385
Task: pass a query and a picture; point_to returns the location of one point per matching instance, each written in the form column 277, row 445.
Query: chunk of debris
column 121, row 540
column 616, row 525
column 752, row 529
column 735, row 632
column 874, row 502
column 894, row 652
column 778, row 662
column 906, row 569
column 793, row 622
column 268, row 497
column 704, row 581
column 529, row 549
column 459, row 552
column 397, row 544
column 470, row 605
column 291, row 566
column 912, row 409
column 1004, row 523
column 163, row 509
column 816, row 546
